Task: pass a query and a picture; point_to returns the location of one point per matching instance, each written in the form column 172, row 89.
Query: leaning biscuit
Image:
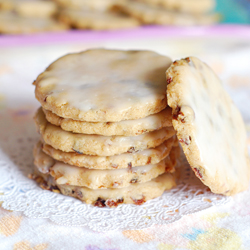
column 209, row 126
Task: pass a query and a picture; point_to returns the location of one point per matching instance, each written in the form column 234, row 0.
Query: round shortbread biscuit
column 125, row 128
column 97, row 5
column 209, row 126
column 98, row 144
column 10, row 23
column 126, row 160
column 37, row 8
column 157, row 15
column 31, row 8
column 101, row 179
column 121, row 85
column 136, row 193
column 95, row 20
column 187, row 6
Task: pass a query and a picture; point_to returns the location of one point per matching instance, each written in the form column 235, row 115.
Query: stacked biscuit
column 106, row 131
column 29, row 16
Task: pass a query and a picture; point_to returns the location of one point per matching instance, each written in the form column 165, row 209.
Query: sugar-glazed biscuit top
column 104, row 85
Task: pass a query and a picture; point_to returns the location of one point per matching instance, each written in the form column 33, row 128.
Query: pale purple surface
column 146, row 31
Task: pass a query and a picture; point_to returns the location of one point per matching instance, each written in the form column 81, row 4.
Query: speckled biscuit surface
column 126, row 160
column 122, row 85
column 137, row 193
column 101, row 179
column 86, row 19
column 209, row 126
column 10, row 23
column 125, row 128
column 157, row 15
column 98, row 144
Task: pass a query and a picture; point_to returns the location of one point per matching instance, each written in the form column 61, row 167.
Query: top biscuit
column 209, row 126
column 104, row 85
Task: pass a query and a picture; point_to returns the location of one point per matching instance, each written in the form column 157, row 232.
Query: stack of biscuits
column 30, row 16
column 95, row 14
column 106, row 130
column 118, row 14
column 169, row 12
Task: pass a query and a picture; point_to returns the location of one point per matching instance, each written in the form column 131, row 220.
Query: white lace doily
column 22, row 194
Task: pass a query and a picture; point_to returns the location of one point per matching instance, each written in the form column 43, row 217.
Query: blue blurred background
column 234, row 11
